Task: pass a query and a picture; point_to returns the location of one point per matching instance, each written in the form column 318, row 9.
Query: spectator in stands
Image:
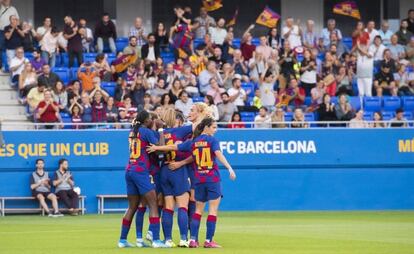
column 150, row 51
column 86, row 108
column 138, row 90
column 344, row 82
column 98, row 97
column 7, row 10
column 292, row 33
column 257, row 66
column 14, row 35
column 111, row 111
column 228, row 47
column 397, row 50
column 76, row 112
column 189, row 81
column 317, row 94
column 147, row 103
column 48, row 111
column 166, row 102
column 175, row 90
column 246, row 47
column 385, row 33
column 399, row 120
column 370, row 29
column 329, row 69
column 199, row 60
column 384, row 83
column 49, row 46
column 130, row 109
column 339, row 45
column 204, row 21
column 35, row 96
column 132, row 47
column 387, row 59
column 206, row 75
column 297, row 94
column 87, row 37
column 326, row 32
column 74, row 92
column 169, row 75
column 287, row 60
column 377, row 49
column 138, row 31
column 226, row 108
column 262, row 120
column 237, row 94
column 308, row 72
column 72, row 34
column 64, row 183
column 215, row 91
column 273, row 38
column 29, row 37
column 404, row 35
column 218, row 58
column 218, row 33
column 48, row 77
column 264, row 48
column 102, row 68
column 410, row 20
column 278, row 118
column 17, row 64
column 358, row 121
column 298, row 120
column 60, row 96
column 238, row 65
column 158, row 91
column 309, row 37
column 404, row 81
column 41, row 189
column 343, row 109
column 377, row 121
column 161, row 37
column 184, row 103
column 121, row 91
column 266, row 85
column 105, row 34
column 365, row 61
column 27, row 80
column 326, row 110
column 236, row 122
column 41, row 31
column 208, row 99
column 37, row 62
column 410, row 51
column 86, row 77
column 359, row 36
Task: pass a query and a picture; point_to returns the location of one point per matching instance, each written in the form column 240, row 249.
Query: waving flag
column 212, row 5
column 233, row 20
column 347, row 8
column 268, row 18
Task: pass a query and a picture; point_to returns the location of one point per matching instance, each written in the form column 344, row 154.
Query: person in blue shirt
column 205, row 151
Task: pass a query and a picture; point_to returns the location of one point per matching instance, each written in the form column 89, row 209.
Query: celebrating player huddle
column 187, row 172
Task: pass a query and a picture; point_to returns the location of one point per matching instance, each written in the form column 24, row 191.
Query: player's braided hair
column 206, row 122
column 139, row 121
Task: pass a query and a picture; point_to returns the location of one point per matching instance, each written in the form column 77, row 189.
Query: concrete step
column 9, row 102
column 8, row 95
column 16, row 125
column 12, row 110
column 14, row 118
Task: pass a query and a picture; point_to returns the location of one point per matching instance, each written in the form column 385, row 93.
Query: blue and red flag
column 347, row 8
column 268, row 18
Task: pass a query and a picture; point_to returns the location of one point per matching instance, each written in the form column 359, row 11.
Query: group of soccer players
column 169, row 168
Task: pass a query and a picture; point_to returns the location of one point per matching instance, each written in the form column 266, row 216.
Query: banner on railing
column 249, row 148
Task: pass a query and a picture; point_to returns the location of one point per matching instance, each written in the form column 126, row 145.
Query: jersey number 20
column 134, row 148
column 203, row 160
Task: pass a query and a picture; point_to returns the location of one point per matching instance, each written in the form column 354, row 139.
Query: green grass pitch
column 238, row 232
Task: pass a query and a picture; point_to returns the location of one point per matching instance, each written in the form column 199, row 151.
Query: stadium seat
column 28, row 55
column 111, row 57
column 249, row 101
column 387, row 115
column 368, row 116
column 288, row 116
column 248, row 86
column 409, row 116
column 309, row 117
column 355, row 102
column 63, row 73
column 334, row 99
column 74, row 73
column 109, row 87
column 372, row 104
column 198, row 99
column 197, row 42
column 121, row 43
column 347, row 41
column 391, row 103
column 308, row 101
column 256, row 41
column 408, row 103
column 237, row 42
column 247, row 116
column 89, row 57
column 167, row 55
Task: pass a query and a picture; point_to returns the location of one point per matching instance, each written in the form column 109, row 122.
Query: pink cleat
column 193, row 244
column 211, row 244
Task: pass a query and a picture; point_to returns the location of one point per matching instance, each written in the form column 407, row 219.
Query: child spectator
column 236, row 122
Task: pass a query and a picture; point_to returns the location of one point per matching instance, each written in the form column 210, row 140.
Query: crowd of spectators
column 282, row 69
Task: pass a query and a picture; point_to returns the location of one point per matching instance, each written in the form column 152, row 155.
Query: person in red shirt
column 48, row 110
column 246, row 47
column 360, row 35
column 236, row 122
column 297, row 95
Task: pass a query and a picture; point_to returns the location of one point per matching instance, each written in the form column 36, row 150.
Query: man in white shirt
column 292, row 33
column 377, row 49
column 17, row 64
column 385, row 33
column 49, row 46
column 262, row 120
column 237, row 94
column 218, row 33
column 87, row 37
column 138, row 31
column 206, row 75
column 204, row 20
column 326, row 32
column 6, row 10
column 371, row 31
column 184, row 103
column 42, row 30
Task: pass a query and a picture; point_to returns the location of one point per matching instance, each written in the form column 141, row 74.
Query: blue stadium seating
column 386, row 116
column 408, row 103
column 391, row 103
column 256, row 41
column 237, row 42
column 372, row 104
column 74, row 73
column 63, row 73
column 310, row 117
column 247, row 116
column 355, row 102
column 347, row 41
column 249, row 86
column 89, row 57
column 28, row 55
column 198, row 99
column 109, row 87
column 111, row 57
column 334, row 99
column 369, row 116
column 288, row 116
column 121, row 43
column 409, row 115
column 308, row 101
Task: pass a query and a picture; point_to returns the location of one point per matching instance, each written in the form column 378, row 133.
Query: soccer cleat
column 124, row 244
column 142, row 244
column 149, row 236
column 50, row 215
column 57, row 214
column 170, row 244
column 183, row 244
column 211, row 244
column 159, row 244
column 193, row 244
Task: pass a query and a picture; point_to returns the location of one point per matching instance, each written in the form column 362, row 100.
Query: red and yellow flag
column 233, row 20
column 268, row 18
column 347, row 8
column 212, row 5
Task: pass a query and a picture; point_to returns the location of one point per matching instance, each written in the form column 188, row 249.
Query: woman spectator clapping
column 27, row 80
column 60, row 96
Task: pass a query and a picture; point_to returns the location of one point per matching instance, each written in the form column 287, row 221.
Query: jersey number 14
column 203, row 160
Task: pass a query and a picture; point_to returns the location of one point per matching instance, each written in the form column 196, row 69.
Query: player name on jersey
column 268, row 147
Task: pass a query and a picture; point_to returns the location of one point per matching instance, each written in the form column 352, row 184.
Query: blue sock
column 155, row 228
column 167, row 223
column 191, row 211
column 182, row 220
column 139, row 221
column 211, row 227
column 126, row 225
column 195, row 226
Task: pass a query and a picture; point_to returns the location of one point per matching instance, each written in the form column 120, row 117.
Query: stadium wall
column 313, row 169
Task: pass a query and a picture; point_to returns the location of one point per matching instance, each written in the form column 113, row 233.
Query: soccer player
column 205, row 149
column 140, row 183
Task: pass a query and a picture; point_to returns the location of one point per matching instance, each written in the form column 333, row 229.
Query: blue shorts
column 139, row 183
column 174, row 182
column 157, row 181
column 191, row 175
column 207, row 191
